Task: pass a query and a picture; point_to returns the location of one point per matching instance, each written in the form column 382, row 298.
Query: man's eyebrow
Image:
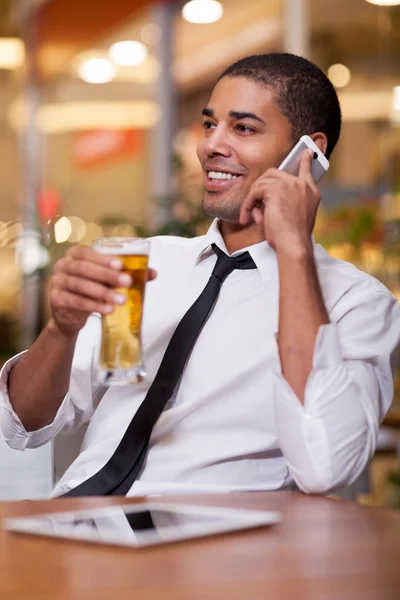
column 234, row 114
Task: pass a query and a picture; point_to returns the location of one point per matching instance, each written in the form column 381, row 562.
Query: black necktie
column 119, row 473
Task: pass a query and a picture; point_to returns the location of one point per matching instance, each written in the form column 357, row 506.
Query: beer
column 121, row 348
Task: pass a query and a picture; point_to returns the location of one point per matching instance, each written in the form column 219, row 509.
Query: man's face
column 244, row 135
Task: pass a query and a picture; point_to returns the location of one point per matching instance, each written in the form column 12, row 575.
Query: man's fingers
column 83, row 295
column 305, row 171
column 259, row 193
column 245, row 210
column 257, row 215
column 88, row 289
column 65, row 300
column 94, row 272
column 152, row 274
column 250, row 202
column 88, row 254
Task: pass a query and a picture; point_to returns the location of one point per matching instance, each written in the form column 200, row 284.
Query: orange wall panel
column 67, row 26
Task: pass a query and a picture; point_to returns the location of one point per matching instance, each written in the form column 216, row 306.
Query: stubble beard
column 226, row 209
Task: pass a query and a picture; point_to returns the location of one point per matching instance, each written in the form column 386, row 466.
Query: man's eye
column 208, row 125
column 244, row 128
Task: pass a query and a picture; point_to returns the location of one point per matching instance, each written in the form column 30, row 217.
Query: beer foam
column 114, row 246
column 116, row 251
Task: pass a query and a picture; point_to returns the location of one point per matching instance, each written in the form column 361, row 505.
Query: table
column 324, row 549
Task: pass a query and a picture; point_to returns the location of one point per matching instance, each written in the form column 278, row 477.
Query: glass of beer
column 121, row 361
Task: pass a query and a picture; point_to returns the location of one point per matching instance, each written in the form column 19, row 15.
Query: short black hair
column 302, row 92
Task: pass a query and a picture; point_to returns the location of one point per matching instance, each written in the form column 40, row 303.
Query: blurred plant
column 356, row 233
column 186, row 215
column 187, row 220
column 352, row 224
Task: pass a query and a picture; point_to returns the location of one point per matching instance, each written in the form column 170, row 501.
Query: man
column 291, row 375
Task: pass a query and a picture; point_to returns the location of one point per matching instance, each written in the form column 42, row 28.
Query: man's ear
column 321, row 140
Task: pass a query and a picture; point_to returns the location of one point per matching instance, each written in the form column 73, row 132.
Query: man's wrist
column 295, row 248
column 55, row 330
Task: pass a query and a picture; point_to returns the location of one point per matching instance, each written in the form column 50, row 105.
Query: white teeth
column 220, row 175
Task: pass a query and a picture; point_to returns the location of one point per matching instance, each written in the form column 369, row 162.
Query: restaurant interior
column 100, row 116
column 100, row 109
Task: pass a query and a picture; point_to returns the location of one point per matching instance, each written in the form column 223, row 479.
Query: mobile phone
column 291, row 164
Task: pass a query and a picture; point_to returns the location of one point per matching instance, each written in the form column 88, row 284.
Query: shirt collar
column 262, row 253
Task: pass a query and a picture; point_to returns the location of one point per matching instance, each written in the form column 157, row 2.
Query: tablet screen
column 141, row 524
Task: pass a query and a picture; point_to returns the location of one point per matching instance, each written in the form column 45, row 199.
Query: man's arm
column 40, row 379
column 328, row 440
column 342, row 372
column 301, row 313
column 82, row 283
column 290, row 208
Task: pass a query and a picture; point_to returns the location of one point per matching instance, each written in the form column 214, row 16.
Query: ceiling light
column 128, row 54
column 12, row 53
column 62, row 230
column 384, row 2
column 78, row 229
column 339, row 75
column 144, row 73
column 202, row 11
column 97, row 70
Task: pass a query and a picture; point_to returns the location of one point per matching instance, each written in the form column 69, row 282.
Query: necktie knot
column 226, row 264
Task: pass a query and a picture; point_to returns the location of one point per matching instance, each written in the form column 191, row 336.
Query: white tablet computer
column 143, row 524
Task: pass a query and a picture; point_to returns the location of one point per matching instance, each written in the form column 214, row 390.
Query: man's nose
column 217, row 142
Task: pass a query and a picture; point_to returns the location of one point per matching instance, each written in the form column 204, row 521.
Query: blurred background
column 100, row 106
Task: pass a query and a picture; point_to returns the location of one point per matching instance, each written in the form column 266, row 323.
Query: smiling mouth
column 219, row 181
column 221, row 176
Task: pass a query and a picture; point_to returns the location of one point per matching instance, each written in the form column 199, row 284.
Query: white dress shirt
column 233, row 422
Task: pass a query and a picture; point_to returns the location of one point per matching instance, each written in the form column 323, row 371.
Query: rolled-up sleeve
column 77, row 406
column 328, row 440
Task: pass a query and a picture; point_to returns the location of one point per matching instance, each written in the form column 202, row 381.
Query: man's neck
column 237, row 237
